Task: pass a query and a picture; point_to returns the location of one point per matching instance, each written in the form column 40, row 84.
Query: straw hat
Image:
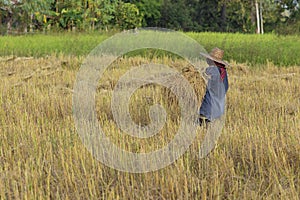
column 216, row 55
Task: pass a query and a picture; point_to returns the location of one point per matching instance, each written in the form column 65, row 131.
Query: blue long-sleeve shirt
column 213, row 104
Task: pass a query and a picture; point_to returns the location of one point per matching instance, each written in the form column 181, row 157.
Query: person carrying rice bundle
column 213, row 103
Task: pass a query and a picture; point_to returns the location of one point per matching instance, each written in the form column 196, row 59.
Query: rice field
column 42, row 156
column 243, row 48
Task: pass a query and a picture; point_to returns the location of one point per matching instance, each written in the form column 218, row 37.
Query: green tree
column 150, row 9
column 176, row 14
column 99, row 13
column 22, row 13
column 28, row 10
column 71, row 14
column 241, row 16
column 127, row 16
column 208, row 15
column 290, row 17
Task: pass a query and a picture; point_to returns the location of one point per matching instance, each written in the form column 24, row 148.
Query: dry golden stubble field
column 42, row 157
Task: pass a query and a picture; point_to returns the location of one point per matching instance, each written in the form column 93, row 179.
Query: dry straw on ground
column 42, row 157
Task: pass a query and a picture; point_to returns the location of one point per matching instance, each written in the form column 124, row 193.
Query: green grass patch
column 244, row 48
column 253, row 48
column 41, row 45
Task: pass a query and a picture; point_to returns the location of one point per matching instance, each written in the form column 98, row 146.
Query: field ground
column 42, row 157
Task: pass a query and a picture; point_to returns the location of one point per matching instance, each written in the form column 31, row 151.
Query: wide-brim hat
column 216, row 55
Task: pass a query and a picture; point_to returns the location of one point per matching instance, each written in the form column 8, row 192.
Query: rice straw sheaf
column 196, row 82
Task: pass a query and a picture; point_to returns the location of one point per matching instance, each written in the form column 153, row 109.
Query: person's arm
column 215, row 85
column 207, row 74
column 226, row 84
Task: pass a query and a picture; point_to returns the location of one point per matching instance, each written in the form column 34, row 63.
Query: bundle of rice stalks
column 153, row 92
column 195, row 79
column 238, row 68
column 177, row 84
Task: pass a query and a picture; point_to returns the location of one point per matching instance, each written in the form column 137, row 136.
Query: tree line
column 282, row 16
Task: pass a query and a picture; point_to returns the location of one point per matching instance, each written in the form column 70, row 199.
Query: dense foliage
column 281, row 16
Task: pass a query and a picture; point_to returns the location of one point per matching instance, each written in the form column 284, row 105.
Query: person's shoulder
column 212, row 69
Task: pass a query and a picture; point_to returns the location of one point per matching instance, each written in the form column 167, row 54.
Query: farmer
column 213, row 103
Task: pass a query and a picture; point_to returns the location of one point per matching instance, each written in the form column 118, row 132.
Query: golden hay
column 195, row 80
column 43, row 157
